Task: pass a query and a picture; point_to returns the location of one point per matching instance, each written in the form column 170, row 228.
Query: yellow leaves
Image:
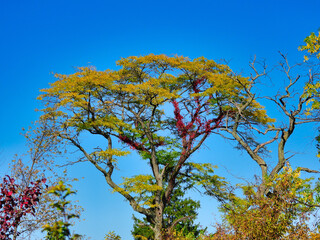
column 290, row 185
column 76, row 87
column 315, row 236
column 276, row 215
column 151, row 79
column 312, row 45
column 220, row 82
column 161, row 59
column 312, row 92
column 203, row 167
column 151, row 90
column 109, row 153
column 112, row 236
column 201, row 67
column 259, row 114
column 119, row 190
column 140, row 237
column 60, row 189
column 139, row 184
column 154, row 74
column 108, row 121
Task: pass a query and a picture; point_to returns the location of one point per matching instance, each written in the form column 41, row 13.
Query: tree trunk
column 15, row 233
column 158, row 224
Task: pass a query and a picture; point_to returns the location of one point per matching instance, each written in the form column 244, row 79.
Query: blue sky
column 42, row 37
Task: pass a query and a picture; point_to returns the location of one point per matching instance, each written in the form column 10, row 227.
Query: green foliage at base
column 178, row 208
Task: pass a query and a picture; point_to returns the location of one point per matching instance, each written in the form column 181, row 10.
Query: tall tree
column 152, row 104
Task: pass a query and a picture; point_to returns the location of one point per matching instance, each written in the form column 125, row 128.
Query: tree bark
column 158, row 224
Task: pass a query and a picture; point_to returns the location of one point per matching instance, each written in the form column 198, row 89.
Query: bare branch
column 266, row 143
column 170, row 229
column 307, row 170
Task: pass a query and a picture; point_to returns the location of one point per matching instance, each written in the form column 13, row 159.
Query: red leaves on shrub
column 15, row 204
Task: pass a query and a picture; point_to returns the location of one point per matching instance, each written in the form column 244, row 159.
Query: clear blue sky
column 41, row 37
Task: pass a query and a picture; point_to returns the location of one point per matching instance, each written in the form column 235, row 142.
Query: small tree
column 38, row 164
column 282, row 214
column 59, row 230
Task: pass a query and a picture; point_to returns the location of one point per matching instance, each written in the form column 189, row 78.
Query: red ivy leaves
column 196, row 83
column 179, row 119
column 189, row 131
column 195, row 122
column 198, row 124
column 15, row 205
column 136, row 145
column 133, row 145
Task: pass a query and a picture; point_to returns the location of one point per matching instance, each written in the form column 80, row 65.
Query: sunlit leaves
column 281, row 214
column 312, row 45
column 142, row 184
column 104, row 102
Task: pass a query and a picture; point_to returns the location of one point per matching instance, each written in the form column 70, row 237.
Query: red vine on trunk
column 198, row 124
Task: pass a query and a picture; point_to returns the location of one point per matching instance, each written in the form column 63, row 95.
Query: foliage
column 312, row 48
column 281, row 214
column 112, row 236
column 181, row 235
column 180, row 213
column 312, row 45
column 179, row 208
column 14, row 205
column 59, row 230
